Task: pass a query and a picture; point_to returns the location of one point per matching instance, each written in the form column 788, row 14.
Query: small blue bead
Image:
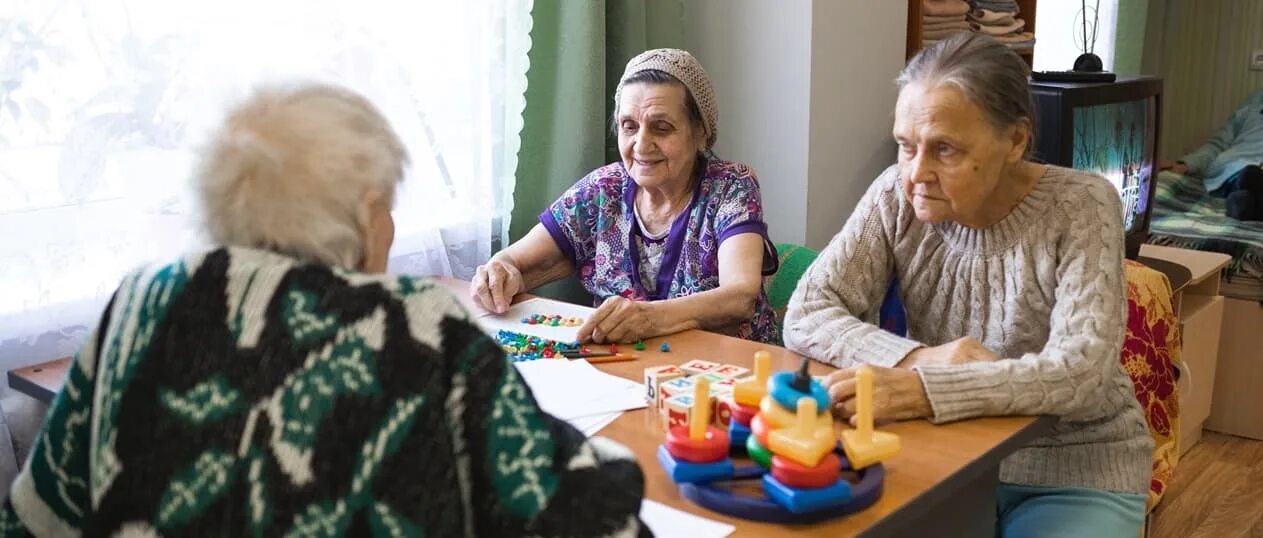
column 664, row 347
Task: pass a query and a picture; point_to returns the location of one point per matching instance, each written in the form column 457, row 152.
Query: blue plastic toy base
column 779, row 387
column 864, row 493
column 737, row 435
column 801, row 501
column 682, row 472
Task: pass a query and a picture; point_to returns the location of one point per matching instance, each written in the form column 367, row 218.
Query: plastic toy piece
column 640, row 345
column 664, row 347
column 738, row 434
column 757, row 452
column 759, row 429
column 701, row 411
column 712, row 448
column 775, row 415
column 807, row 441
column 784, row 388
column 743, row 414
column 699, row 442
column 685, row 472
column 722, row 499
column 801, row 501
column 790, row 473
column 751, row 391
column 863, row 445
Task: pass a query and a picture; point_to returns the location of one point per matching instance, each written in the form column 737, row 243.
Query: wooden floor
column 1217, row 491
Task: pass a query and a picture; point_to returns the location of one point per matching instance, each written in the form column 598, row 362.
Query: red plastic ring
column 713, row 447
column 797, row 475
column 743, row 414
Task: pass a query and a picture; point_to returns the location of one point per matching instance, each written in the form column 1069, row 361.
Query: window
column 1061, row 29
column 104, row 103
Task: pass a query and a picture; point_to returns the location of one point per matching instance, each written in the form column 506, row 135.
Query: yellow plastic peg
column 750, row 391
column 699, row 419
column 808, row 440
column 863, row 445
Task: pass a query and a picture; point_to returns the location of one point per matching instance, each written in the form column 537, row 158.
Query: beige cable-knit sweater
column 1043, row 288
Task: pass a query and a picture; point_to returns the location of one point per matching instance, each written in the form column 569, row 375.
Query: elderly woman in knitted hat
column 1011, row 273
column 278, row 383
column 669, row 238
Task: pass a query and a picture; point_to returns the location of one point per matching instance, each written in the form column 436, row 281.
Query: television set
column 1110, row 128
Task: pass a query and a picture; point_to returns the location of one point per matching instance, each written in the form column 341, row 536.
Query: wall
column 854, row 62
column 805, row 92
column 758, row 55
column 1203, row 55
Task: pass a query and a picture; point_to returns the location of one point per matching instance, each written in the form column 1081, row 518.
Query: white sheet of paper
column 592, row 424
column 512, row 319
column 667, row 521
column 577, row 392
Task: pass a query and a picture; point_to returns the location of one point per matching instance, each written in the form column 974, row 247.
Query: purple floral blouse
column 594, row 221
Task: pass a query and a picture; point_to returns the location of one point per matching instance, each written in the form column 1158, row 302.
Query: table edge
column 916, row 506
column 29, row 388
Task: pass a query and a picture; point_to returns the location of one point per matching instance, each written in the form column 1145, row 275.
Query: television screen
column 1116, row 140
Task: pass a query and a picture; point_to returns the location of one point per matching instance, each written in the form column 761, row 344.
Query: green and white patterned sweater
column 243, row 393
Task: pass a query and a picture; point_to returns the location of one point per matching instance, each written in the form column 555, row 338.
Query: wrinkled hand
column 960, row 351
column 897, row 394
column 1179, row 168
column 495, row 284
column 619, row 319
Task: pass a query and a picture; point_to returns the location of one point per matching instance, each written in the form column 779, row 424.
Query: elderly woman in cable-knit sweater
column 1012, row 278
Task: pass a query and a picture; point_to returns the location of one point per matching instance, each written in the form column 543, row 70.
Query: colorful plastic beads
column 640, row 345
column 553, row 320
column 522, row 347
column 664, row 347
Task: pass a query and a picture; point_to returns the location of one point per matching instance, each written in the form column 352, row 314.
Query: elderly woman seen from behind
column 1011, row 274
column 670, row 238
column 279, row 384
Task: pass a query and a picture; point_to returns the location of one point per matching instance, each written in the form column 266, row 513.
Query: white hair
column 289, row 168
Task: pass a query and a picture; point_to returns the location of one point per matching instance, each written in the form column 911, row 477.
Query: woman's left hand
column 619, row 319
column 897, row 394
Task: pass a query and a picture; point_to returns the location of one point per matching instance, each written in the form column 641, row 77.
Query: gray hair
column 988, row 72
column 288, row 169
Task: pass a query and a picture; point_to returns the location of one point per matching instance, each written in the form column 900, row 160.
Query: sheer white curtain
column 104, row 103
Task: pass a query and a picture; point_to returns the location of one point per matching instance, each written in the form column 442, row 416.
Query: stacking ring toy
column 757, row 453
column 796, row 475
column 780, row 386
column 713, row 447
column 713, row 496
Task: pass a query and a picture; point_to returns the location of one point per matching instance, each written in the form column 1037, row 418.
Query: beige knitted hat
column 683, row 66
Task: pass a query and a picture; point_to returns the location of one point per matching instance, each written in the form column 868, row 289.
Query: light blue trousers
column 1073, row 512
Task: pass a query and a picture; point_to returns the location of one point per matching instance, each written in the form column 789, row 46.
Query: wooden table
column 40, row 381
column 942, row 482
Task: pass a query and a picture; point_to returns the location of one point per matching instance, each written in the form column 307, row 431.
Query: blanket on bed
column 1186, row 216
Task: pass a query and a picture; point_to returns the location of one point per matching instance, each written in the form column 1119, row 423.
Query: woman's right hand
column 495, row 284
column 960, row 351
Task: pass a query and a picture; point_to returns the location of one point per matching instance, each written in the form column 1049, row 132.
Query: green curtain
column 578, row 50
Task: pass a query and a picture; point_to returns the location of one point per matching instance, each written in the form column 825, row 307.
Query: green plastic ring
column 757, row 453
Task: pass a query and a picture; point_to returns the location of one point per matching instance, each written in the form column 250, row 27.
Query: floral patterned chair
column 1151, row 356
